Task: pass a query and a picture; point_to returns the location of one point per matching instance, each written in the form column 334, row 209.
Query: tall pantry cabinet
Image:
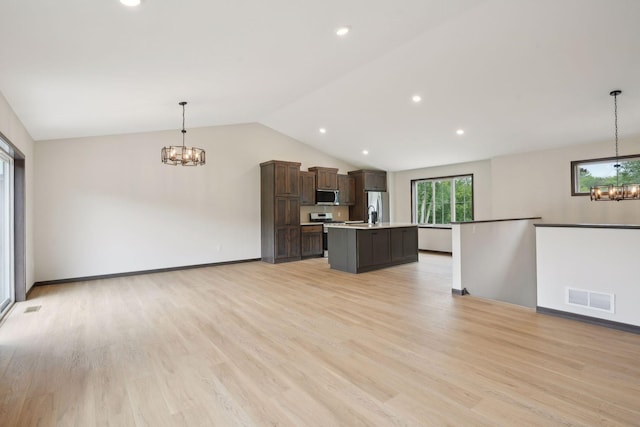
column 280, row 211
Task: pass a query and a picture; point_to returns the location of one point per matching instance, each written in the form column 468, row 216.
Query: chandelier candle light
column 615, row 192
column 182, row 155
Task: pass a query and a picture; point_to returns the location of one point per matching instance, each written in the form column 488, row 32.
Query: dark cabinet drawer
column 311, row 241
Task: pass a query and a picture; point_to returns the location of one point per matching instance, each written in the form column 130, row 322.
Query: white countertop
column 366, row 226
column 340, row 223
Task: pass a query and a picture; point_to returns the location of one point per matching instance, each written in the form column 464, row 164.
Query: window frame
column 414, row 219
column 8, row 233
column 576, row 163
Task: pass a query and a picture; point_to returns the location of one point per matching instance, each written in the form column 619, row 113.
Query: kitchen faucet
column 373, row 215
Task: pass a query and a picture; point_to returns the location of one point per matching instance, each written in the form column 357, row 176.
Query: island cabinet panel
column 326, row 178
column 347, row 188
column 280, row 211
column 404, row 242
column 359, row 248
column 311, row 241
column 307, row 188
column 373, row 247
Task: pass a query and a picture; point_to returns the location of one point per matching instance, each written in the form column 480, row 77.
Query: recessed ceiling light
column 130, row 2
column 343, row 31
column 460, row 132
column 365, row 152
column 322, row 130
column 416, row 98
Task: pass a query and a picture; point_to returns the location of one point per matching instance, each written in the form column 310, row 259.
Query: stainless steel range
column 324, row 218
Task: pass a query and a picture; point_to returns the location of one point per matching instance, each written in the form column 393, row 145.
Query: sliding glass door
column 6, row 232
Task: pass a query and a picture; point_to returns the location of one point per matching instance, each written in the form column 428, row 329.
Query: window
column 442, row 200
column 6, row 232
column 589, row 173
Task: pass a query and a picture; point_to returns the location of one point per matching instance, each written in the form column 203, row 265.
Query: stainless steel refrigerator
column 378, row 201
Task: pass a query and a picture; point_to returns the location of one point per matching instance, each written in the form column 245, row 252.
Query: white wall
column 108, row 205
column 496, row 260
column 14, row 131
column 434, row 239
column 592, row 259
column 529, row 184
column 539, row 184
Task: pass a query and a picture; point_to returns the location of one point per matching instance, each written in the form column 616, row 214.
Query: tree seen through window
column 443, row 200
column 594, row 173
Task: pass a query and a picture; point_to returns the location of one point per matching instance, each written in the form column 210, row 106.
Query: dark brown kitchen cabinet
column 287, row 243
column 365, row 180
column 287, row 177
column 307, row 188
column 311, row 241
column 375, row 181
column 326, row 178
column 287, row 211
column 404, row 242
column 347, row 188
column 280, row 211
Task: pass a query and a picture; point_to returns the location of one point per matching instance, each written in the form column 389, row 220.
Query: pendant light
column 182, row 155
column 615, row 192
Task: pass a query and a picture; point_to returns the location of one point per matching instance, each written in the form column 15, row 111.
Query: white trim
column 8, row 238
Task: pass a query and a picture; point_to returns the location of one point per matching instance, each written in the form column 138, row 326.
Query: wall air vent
column 590, row 299
column 578, row 297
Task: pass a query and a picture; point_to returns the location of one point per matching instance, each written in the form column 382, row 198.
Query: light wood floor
column 300, row 345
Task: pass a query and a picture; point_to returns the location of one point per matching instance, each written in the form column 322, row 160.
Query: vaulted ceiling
column 515, row 75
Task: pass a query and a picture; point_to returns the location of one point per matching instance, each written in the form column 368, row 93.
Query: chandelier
column 182, row 155
column 615, row 192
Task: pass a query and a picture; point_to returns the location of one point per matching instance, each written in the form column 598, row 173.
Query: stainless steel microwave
column 327, row 197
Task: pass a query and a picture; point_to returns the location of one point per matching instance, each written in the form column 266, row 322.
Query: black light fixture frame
column 615, row 192
column 181, row 154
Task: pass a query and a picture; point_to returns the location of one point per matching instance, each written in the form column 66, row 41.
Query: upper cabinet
column 369, row 180
column 326, row 178
column 307, row 188
column 365, row 180
column 347, row 188
column 287, row 178
column 375, row 180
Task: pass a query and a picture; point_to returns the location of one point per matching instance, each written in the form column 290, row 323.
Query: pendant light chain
column 615, row 115
column 184, row 131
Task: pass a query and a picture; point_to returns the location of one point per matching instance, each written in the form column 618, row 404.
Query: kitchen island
column 361, row 247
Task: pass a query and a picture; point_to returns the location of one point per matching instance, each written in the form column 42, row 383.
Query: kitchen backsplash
column 339, row 212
